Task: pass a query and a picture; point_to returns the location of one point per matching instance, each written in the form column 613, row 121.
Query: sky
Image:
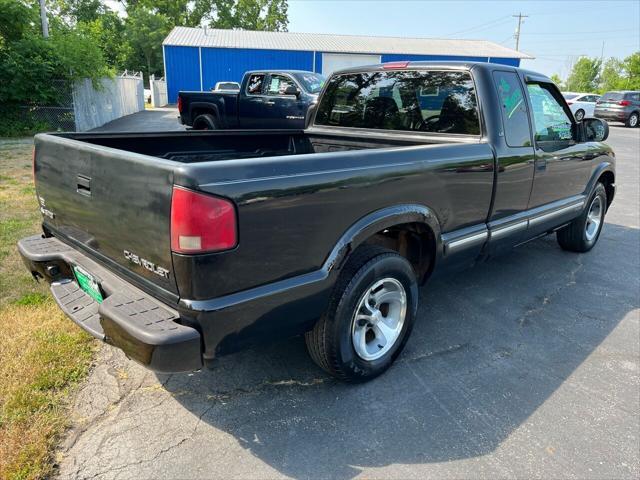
column 555, row 32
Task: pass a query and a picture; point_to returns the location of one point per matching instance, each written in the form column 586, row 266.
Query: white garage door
column 337, row 61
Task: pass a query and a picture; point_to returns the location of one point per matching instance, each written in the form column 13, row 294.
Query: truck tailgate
column 115, row 204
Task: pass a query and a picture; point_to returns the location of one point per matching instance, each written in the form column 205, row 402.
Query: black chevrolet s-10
column 178, row 247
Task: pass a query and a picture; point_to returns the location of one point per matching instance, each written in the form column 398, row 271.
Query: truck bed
column 110, row 194
column 207, row 146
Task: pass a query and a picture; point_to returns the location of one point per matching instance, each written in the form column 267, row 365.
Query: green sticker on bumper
column 88, row 283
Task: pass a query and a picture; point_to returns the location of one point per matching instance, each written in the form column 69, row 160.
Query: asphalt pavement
column 527, row 366
column 151, row 120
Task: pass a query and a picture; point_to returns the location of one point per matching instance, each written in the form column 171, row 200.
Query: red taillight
column 179, row 104
column 201, row 223
column 624, row 103
column 569, row 103
column 392, row 65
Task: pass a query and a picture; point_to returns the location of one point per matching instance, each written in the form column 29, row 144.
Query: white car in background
column 226, row 87
column 581, row 104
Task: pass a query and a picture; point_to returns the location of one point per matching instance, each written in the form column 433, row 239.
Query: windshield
column 311, row 82
column 569, row 96
column 228, row 86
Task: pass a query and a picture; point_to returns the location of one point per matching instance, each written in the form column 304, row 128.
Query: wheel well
column 608, row 180
column 414, row 241
column 200, row 111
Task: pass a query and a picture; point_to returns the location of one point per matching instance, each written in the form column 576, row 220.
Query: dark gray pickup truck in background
column 178, row 247
column 266, row 99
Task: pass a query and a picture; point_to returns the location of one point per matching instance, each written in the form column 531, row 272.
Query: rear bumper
column 147, row 330
column 616, row 116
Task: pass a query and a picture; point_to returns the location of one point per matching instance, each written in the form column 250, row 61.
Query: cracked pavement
column 526, row 366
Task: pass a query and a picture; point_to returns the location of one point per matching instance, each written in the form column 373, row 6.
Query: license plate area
column 88, row 283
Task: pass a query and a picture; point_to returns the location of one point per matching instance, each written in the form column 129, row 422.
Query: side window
column 635, row 97
column 515, row 116
column 255, row 84
column 278, row 84
column 551, row 122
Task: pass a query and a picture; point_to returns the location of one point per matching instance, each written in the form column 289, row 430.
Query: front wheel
column 582, row 234
column 369, row 316
column 632, row 121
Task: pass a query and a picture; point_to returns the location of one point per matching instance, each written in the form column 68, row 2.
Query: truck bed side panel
column 292, row 210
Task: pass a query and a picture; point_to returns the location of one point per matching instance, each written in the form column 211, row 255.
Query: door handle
column 83, row 185
column 269, row 102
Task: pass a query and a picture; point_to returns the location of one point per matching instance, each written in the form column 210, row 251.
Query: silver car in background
column 620, row 106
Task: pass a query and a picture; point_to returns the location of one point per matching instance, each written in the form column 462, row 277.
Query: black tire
column 579, row 115
column 575, row 236
column 330, row 342
column 633, row 120
column 206, row 121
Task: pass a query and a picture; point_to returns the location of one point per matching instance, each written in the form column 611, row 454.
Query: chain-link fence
column 80, row 106
column 56, row 114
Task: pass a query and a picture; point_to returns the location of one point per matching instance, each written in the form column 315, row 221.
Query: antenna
column 520, row 16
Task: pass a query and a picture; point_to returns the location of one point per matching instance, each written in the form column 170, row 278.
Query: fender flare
column 378, row 220
column 605, row 166
column 209, row 107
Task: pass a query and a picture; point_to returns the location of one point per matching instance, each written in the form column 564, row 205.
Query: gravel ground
column 526, row 366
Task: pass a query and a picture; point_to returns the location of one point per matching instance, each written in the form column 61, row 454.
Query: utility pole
column 517, row 34
column 43, row 19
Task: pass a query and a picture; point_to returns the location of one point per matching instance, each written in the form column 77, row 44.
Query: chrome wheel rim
column 378, row 319
column 633, row 121
column 594, row 218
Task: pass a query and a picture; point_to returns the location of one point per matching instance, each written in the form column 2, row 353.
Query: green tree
column 555, row 78
column 145, row 31
column 621, row 74
column 109, row 31
column 632, row 71
column 250, row 14
column 611, row 77
column 584, row 75
column 16, row 20
column 244, row 14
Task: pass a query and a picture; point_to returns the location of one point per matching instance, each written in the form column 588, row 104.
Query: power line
column 584, row 33
column 481, row 26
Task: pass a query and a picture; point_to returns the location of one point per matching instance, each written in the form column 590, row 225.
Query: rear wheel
column 582, row 234
column 632, row 121
column 206, row 121
column 579, row 115
column 369, row 317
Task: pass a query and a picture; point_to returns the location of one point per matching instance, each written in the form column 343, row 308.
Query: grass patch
column 43, row 355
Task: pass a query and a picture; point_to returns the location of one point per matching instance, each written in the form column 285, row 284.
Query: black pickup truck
column 178, row 247
column 266, row 99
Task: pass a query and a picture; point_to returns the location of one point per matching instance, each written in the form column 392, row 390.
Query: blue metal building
column 197, row 58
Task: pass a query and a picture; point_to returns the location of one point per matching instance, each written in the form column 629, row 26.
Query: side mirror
column 292, row 90
column 595, row 130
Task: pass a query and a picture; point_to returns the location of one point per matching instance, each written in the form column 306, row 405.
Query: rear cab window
column 407, row 100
